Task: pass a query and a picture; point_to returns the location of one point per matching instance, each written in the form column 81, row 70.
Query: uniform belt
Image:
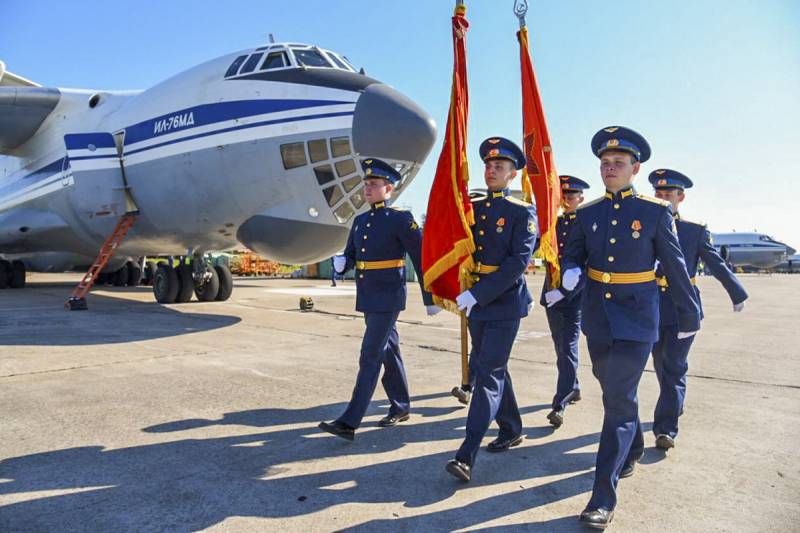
column 662, row 281
column 616, row 278
column 380, row 265
column 485, row 269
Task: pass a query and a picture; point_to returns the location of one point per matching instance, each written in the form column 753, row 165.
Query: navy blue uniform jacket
column 696, row 244
column 382, row 234
column 572, row 298
column 505, row 234
column 625, row 233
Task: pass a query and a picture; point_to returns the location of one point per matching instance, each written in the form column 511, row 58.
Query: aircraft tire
column 165, row 284
column 149, row 274
column 5, row 273
column 134, row 275
column 120, row 277
column 225, row 282
column 17, row 279
column 208, row 291
column 186, row 282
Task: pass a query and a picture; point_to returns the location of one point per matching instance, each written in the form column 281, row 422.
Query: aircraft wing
column 23, row 107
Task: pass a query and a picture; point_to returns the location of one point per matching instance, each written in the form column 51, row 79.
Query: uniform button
column 612, row 240
column 480, row 232
column 488, row 204
column 363, row 249
column 483, row 217
column 616, row 206
column 561, row 244
column 613, row 222
column 480, row 247
column 368, row 224
column 372, row 214
column 361, row 276
column 608, row 296
column 610, row 258
column 564, row 233
column 663, row 289
column 365, row 237
column 566, row 223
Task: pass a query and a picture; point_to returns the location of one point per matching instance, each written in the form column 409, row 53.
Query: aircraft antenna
column 271, row 39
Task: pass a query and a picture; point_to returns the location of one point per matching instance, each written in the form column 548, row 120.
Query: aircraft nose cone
column 388, row 124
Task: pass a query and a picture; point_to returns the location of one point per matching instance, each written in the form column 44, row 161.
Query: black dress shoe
column 501, row 445
column 556, row 418
column 576, row 398
column 664, row 442
column 340, row 429
column 392, row 420
column 458, row 469
column 627, row 469
column 461, row 395
column 597, row 518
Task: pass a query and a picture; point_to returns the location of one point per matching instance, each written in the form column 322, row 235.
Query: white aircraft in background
column 755, row 250
column 259, row 148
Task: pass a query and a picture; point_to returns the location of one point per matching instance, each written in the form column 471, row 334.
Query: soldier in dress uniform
column 564, row 317
column 617, row 240
column 504, row 234
column 378, row 242
column 670, row 354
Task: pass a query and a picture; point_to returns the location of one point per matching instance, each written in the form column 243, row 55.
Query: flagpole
column 520, row 10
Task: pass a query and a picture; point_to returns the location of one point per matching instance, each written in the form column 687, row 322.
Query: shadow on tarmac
column 190, row 484
column 36, row 317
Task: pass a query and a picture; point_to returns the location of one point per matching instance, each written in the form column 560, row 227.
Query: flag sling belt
column 621, row 277
column 380, row 265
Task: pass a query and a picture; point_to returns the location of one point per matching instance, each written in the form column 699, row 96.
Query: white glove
column 433, row 310
column 737, row 308
column 465, row 301
column 686, row 334
column 553, row 297
column 339, row 262
column 570, row 278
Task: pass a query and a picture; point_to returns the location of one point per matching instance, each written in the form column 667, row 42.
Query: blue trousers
column 565, row 328
column 380, row 347
column 493, row 393
column 618, row 366
column 671, row 361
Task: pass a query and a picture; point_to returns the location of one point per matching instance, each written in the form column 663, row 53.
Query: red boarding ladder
column 77, row 301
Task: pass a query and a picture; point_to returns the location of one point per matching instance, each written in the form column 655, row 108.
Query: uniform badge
column 594, row 226
column 493, row 152
column 662, row 182
column 501, row 221
column 494, row 141
column 660, row 172
column 636, row 226
column 368, row 161
column 611, row 130
column 369, row 171
column 414, row 226
column 612, row 142
column 532, row 227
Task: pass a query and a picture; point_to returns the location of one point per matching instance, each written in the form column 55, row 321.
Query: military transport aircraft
column 755, row 250
column 259, row 148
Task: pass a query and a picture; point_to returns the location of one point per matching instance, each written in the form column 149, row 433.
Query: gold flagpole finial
column 520, row 10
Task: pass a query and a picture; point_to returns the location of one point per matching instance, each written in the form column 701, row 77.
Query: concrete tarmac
column 133, row 416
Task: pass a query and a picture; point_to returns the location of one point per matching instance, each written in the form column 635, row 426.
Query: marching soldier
column 504, row 233
column 671, row 354
column 617, row 239
column 376, row 247
column 564, row 317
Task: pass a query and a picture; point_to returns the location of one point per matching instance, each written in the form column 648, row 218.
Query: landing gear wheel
column 165, row 284
column 149, row 274
column 5, row 273
column 225, row 282
column 17, row 280
column 121, row 276
column 186, row 284
column 208, row 291
column 134, row 275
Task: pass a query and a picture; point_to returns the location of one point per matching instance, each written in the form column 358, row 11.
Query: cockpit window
column 275, row 60
column 250, row 66
column 339, row 63
column 234, row 68
column 310, row 58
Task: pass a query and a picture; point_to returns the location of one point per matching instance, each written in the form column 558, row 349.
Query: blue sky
column 713, row 85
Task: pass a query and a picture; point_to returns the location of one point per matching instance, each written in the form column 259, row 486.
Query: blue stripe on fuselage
column 203, row 115
column 32, row 178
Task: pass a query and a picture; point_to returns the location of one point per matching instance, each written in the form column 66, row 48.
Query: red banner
column 539, row 178
column 447, row 243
